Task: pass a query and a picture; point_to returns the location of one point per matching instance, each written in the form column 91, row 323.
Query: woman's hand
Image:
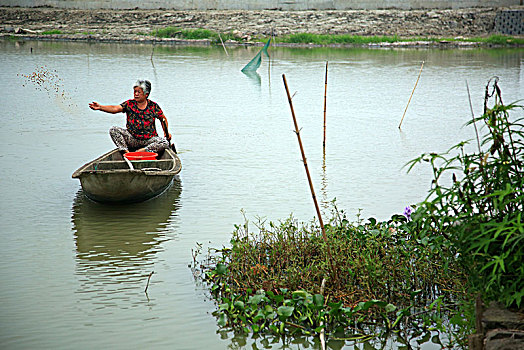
column 95, row 106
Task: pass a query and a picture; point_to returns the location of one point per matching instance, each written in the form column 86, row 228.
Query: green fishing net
column 253, row 65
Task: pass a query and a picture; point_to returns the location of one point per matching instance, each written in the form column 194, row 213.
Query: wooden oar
column 166, row 131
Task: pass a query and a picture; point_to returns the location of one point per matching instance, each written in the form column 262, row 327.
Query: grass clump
column 190, row 34
column 193, row 34
column 53, row 31
column 168, row 32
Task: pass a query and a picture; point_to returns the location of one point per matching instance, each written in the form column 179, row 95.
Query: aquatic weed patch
column 277, row 281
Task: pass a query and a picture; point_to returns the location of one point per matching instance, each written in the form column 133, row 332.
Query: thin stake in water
column 224, row 46
column 411, row 94
column 325, row 100
column 152, row 51
column 473, row 118
column 151, row 274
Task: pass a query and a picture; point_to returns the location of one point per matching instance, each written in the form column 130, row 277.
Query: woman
column 140, row 133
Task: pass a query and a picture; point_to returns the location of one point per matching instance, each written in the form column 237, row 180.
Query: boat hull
column 124, row 187
column 110, row 179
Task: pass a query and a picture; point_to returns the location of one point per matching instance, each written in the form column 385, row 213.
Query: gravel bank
column 136, row 25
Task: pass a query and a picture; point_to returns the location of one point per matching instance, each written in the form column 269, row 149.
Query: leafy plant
column 478, row 213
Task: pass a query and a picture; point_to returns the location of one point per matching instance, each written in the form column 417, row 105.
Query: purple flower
column 407, row 212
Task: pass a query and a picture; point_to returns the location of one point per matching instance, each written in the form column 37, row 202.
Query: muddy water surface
column 74, row 272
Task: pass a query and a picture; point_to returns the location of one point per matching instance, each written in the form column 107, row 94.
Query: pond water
column 74, row 272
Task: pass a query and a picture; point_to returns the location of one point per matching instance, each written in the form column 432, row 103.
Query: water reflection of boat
column 105, row 232
column 109, row 178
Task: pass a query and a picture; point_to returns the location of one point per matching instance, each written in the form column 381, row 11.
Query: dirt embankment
column 119, row 25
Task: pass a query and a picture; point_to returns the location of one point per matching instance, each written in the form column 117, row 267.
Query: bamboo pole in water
column 297, row 131
column 325, row 100
column 152, row 51
column 224, row 46
column 411, row 94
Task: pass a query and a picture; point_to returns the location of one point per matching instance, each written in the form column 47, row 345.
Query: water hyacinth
column 407, row 212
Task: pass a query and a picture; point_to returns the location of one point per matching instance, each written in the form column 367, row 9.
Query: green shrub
column 480, row 213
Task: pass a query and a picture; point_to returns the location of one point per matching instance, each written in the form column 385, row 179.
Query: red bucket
column 141, row 155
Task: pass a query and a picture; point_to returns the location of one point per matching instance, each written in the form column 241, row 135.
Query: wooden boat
column 114, row 179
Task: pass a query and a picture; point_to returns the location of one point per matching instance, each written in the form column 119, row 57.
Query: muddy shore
column 137, row 25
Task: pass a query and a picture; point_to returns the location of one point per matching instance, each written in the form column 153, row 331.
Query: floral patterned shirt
column 141, row 122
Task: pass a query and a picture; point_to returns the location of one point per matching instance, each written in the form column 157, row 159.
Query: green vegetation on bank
column 193, row 34
column 307, row 38
column 341, row 39
column 53, row 31
column 498, row 40
column 410, row 275
column 326, row 39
